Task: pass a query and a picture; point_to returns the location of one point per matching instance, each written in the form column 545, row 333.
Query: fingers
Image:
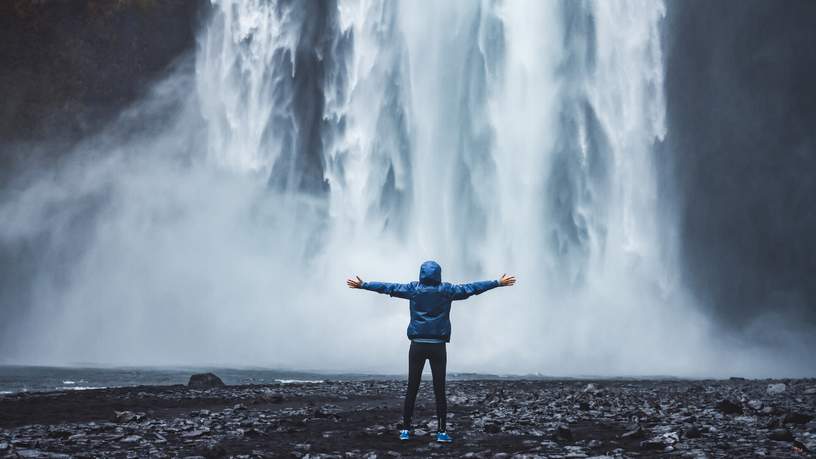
column 507, row 280
column 354, row 282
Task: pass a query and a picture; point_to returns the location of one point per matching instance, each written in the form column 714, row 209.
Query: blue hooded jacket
column 430, row 300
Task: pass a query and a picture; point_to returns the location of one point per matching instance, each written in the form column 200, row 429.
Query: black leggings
column 438, row 356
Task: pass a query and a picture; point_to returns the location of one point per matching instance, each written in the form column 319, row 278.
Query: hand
column 506, row 281
column 354, row 283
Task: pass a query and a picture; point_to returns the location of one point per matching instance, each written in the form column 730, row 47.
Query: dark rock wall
column 67, row 66
column 742, row 138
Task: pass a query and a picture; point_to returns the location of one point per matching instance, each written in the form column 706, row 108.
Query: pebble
column 517, row 418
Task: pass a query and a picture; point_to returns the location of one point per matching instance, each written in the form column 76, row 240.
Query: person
column 429, row 330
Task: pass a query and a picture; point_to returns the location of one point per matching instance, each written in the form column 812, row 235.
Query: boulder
column 563, row 432
column 728, row 407
column 692, row 432
column 797, row 418
column 775, row 389
column 205, row 381
column 781, row 435
column 755, row 405
column 636, row 432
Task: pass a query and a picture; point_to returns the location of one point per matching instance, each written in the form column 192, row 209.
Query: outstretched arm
column 463, row 291
column 397, row 290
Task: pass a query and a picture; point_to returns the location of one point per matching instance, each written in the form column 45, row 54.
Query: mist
column 214, row 220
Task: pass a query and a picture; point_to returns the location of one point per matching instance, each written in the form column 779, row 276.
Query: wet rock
column 128, row 416
column 692, row 432
column 797, row 418
column 543, row 416
column 637, row 432
column 755, row 405
column 661, row 442
column 491, row 426
column 193, row 433
column 131, row 439
column 563, row 432
column 728, row 407
column 781, row 435
column 253, row 433
column 655, row 443
column 775, row 389
column 810, row 391
column 205, row 381
column 60, row 433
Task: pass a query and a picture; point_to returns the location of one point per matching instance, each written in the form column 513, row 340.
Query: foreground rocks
column 489, row 419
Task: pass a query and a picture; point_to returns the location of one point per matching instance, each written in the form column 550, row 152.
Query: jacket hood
column 430, row 273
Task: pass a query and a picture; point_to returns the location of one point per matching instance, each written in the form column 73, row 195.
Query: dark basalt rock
column 692, row 432
column 205, row 381
column 637, row 432
column 563, row 432
column 781, row 435
column 728, row 407
column 524, row 419
column 797, row 418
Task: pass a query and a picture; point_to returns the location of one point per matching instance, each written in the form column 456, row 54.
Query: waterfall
column 312, row 141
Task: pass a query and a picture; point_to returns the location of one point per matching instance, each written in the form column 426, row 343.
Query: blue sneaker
column 405, row 435
column 443, row 437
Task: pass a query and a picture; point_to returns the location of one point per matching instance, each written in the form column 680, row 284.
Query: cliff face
column 741, row 108
column 67, row 66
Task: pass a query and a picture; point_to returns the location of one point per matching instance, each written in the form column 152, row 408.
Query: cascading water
column 316, row 140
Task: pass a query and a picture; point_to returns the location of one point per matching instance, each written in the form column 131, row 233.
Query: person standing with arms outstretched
column 429, row 330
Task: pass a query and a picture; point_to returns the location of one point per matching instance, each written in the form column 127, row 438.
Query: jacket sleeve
column 397, row 290
column 463, row 291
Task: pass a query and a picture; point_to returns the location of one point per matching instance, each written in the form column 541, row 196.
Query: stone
column 692, row 432
column 755, row 405
column 797, row 418
column 128, row 416
column 726, row 406
column 492, row 427
column 131, row 439
column 205, row 381
column 652, row 444
column 637, row 432
column 775, row 389
column 563, row 432
column 781, row 435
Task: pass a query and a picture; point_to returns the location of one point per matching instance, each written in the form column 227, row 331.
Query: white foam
column 81, row 388
column 300, row 381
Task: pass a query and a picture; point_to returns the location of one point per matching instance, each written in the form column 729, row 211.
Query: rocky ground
column 617, row 418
